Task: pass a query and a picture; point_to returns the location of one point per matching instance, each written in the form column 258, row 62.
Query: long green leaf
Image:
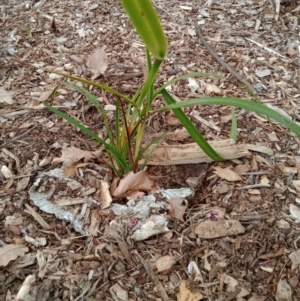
column 146, row 22
column 93, row 100
column 87, row 131
column 188, row 125
column 94, row 84
column 233, row 131
column 239, row 103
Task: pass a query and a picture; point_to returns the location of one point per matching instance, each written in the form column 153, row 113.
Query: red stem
column 128, row 135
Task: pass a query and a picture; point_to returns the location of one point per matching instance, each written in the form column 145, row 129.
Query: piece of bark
column 214, row 229
column 191, row 153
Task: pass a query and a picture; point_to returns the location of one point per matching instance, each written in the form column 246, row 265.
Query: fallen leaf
column 186, row 295
column 133, row 182
column 98, row 60
column 227, row 174
column 178, row 207
column 11, row 252
column 70, row 157
column 72, row 154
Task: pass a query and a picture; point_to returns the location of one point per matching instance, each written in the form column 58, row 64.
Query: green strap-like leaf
column 188, row 125
column 87, row 131
column 146, row 22
column 239, row 103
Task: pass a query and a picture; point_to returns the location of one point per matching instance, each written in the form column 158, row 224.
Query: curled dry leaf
column 133, row 182
column 11, row 252
column 227, row 174
column 178, row 207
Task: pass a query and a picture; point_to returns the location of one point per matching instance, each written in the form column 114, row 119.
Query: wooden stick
column 222, row 62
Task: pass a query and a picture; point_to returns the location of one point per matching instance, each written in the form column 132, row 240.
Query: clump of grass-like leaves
column 124, row 144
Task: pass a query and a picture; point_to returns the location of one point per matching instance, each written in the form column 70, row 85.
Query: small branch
column 222, row 62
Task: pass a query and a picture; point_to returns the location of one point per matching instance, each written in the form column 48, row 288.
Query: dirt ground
column 236, row 237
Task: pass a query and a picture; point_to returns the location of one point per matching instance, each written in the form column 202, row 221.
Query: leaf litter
column 67, row 250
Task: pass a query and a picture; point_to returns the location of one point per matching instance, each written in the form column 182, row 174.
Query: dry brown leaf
column 227, row 174
column 11, row 252
column 71, row 155
column 186, row 295
column 178, row 207
column 98, row 60
column 133, row 182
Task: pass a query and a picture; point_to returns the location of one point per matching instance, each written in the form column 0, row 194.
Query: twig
column 266, row 48
column 154, row 278
column 255, row 186
column 247, row 218
column 163, row 10
column 221, row 61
